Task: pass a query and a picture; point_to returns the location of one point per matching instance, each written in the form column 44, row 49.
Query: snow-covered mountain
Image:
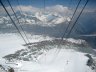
column 36, row 49
column 51, row 55
column 44, row 19
column 69, row 55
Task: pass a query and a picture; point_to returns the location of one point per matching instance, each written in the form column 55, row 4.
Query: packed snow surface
column 66, row 60
column 9, row 43
column 53, row 60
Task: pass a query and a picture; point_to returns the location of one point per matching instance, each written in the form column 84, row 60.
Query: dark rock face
column 11, row 70
column 91, row 63
column 6, row 68
column 36, row 49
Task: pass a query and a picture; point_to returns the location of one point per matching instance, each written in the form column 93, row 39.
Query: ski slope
column 66, row 60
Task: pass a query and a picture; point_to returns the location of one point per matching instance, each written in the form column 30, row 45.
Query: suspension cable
column 77, row 18
column 57, row 51
column 71, row 19
column 12, row 21
column 18, row 21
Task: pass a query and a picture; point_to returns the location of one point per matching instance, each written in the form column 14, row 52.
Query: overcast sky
column 40, row 3
column 58, row 5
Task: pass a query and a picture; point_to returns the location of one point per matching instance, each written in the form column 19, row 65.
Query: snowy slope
column 47, row 55
column 67, row 60
column 43, row 19
column 10, row 43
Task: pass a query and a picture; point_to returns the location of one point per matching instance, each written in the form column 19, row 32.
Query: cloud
column 2, row 11
column 17, row 8
column 27, row 8
column 55, row 9
column 60, row 9
column 50, row 15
